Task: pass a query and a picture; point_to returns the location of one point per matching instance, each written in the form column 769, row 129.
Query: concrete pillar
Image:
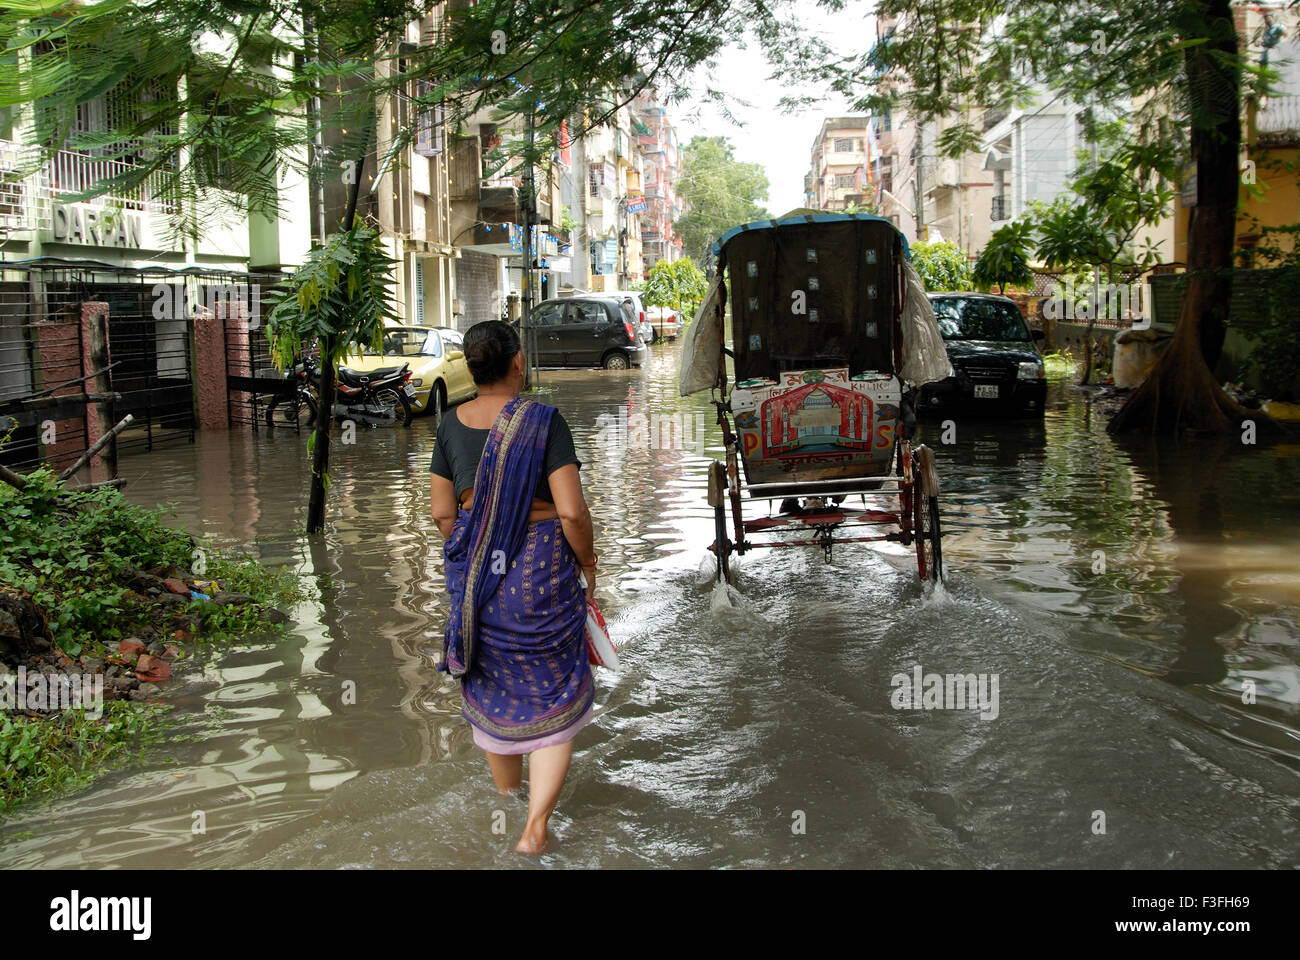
column 58, row 359
column 210, row 368
column 95, row 347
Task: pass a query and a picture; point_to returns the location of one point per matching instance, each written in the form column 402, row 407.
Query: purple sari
column 515, row 634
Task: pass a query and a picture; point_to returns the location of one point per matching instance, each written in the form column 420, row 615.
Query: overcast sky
column 781, row 142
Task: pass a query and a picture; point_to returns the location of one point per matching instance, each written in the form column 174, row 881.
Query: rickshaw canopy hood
column 924, row 357
column 804, row 216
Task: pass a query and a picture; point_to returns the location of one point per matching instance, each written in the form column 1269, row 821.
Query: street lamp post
column 622, row 242
column 529, row 215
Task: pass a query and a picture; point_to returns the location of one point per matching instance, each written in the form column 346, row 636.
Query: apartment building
column 141, row 226
column 409, row 197
column 612, row 227
column 155, row 258
column 656, row 137
column 836, row 179
column 619, row 193
column 487, row 185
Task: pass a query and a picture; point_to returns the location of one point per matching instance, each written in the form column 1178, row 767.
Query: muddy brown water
column 1125, row 597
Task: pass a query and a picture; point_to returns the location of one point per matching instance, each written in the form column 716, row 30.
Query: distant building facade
column 836, row 175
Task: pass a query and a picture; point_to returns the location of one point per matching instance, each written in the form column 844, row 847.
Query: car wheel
column 437, row 404
column 616, row 361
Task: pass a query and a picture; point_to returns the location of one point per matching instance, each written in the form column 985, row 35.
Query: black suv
column 587, row 332
column 995, row 360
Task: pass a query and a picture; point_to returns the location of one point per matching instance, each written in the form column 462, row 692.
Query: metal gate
column 150, row 328
column 40, row 349
column 152, row 361
column 252, row 381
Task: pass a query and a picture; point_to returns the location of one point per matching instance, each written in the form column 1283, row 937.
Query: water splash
column 936, row 595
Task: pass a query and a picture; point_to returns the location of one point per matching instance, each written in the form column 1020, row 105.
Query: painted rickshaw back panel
column 817, row 344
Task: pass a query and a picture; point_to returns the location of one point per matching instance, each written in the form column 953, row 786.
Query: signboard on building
column 636, row 205
column 95, row 226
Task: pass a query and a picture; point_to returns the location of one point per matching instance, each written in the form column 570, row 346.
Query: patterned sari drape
column 515, row 635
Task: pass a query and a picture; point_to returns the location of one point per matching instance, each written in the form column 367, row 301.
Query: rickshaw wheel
column 718, row 500
column 925, row 513
column 722, row 546
column 906, row 492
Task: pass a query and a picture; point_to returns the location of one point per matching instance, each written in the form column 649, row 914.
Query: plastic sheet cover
column 702, row 349
column 925, row 358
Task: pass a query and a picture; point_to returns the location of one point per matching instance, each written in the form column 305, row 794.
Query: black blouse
column 458, row 449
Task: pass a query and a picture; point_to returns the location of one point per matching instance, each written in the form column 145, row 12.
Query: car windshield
column 400, row 342
column 975, row 318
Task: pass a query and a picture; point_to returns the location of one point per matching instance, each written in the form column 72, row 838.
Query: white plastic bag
column 600, row 648
column 702, row 346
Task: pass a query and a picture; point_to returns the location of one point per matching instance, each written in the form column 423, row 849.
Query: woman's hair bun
column 489, row 348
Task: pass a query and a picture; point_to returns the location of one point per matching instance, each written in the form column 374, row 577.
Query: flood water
column 1124, row 596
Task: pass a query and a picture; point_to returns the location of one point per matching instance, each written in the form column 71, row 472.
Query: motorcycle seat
column 359, row 378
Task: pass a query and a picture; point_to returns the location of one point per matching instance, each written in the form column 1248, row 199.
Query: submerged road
column 1137, row 607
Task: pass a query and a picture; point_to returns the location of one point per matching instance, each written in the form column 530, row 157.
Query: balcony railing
column 1279, row 121
column 70, row 172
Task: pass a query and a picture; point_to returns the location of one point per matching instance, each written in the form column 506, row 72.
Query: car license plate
column 408, row 389
column 986, row 390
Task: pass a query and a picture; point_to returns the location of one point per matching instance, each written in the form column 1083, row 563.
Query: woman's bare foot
column 534, row 841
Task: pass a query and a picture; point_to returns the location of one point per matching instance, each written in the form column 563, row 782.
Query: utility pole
column 623, row 217
column 917, row 207
column 580, row 244
column 530, row 340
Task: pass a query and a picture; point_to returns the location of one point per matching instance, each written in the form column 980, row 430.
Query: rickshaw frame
column 813, row 510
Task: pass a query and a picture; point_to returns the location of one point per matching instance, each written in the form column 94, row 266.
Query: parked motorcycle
column 380, row 397
column 300, row 408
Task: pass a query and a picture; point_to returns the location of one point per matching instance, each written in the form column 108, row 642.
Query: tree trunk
column 1181, row 392
column 1086, row 377
column 320, row 462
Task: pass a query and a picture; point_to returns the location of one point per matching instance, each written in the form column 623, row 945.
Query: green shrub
column 942, row 266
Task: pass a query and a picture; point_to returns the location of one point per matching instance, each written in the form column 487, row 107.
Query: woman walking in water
column 506, row 496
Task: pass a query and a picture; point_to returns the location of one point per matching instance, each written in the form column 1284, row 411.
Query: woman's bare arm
column 442, row 497
column 575, row 518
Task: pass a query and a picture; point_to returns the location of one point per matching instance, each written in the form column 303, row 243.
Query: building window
column 843, row 144
column 419, row 291
column 431, row 116
column 843, row 180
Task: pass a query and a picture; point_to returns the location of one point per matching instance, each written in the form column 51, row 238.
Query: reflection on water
column 1125, row 595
